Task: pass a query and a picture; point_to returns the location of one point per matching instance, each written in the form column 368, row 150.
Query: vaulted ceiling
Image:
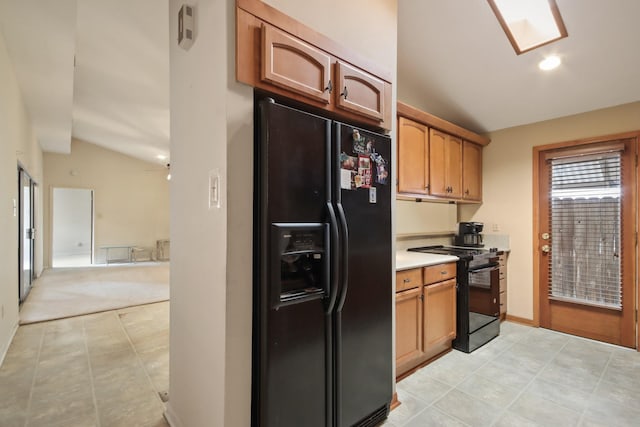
column 454, row 61
column 116, row 95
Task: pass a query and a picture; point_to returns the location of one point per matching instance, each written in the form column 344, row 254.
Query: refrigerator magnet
column 382, row 174
column 364, row 170
column 348, row 162
column 346, row 181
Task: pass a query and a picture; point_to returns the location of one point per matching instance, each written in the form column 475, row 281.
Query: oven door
column 484, row 291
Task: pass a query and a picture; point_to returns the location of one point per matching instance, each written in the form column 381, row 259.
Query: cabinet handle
column 467, row 192
column 329, row 87
column 426, row 187
column 443, row 272
column 407, row 280
column 421, row 297
column 345, row 93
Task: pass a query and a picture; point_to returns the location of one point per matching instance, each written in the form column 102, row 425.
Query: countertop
column 406, row 260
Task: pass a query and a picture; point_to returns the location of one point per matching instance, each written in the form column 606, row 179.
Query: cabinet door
column 294, row 65
column 445, row 164
column 453, row 155
column 437, row 163
column 439, row 313
column 359, row 92
column 408, row 329
column 472, row 171
column 413, row 157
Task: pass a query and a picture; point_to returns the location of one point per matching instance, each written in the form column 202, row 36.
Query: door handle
column 546, row 249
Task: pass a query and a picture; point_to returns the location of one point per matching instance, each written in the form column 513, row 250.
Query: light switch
column 214, row 189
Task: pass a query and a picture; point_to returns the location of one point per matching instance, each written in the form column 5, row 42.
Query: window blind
column 585, row 216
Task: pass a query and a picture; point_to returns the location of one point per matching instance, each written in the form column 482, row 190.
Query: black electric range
column 477, row 294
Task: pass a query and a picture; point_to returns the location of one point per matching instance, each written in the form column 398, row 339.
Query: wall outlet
column 495, row 227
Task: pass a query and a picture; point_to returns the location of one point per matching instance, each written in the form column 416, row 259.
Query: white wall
column 508, row 187
column 17, row 144
column 198, row 235
column 212, row 127
column 131, row 196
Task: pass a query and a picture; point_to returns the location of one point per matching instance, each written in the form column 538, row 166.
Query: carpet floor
column 66, row 292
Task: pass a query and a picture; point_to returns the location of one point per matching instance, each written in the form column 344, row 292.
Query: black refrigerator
column 322, row 324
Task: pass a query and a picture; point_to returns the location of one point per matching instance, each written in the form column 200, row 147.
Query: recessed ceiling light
column 529, row 24
column 549, row 63
column 161, row 157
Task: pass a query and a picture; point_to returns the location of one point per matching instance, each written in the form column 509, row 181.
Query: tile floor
column 104, row 369
column 525, row 377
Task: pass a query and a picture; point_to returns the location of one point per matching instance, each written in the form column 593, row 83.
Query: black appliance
column 477, row 295
column 322, row 331
column 468, row 234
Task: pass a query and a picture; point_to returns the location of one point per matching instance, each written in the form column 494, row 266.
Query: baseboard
column 394, row 402
column 171, row 417
column 520, row 320
column 5, row 350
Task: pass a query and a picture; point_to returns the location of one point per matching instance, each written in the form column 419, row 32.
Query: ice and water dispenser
column 299, row 264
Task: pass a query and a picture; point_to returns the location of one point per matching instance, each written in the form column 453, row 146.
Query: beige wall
column 425, row 217
column 17, row 145
column 131, row 196
column 507, row 186
column 212, row 128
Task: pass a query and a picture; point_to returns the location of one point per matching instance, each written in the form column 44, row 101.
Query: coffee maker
column 468, row 234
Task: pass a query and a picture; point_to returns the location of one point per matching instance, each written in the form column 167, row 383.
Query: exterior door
column 26, row 233
column 586, row 240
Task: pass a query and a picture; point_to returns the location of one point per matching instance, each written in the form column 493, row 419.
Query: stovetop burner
column 460, row 252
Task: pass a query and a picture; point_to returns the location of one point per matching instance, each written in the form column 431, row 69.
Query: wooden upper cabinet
column 281, row 56
column 471, row 171
column 454, row 167
column 413, row 157
column 292, row 64
column 445, row 164
column 359, row 92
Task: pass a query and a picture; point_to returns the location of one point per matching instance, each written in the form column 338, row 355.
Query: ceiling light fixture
column 549, row 63
column 529, row 24
column 161, row 157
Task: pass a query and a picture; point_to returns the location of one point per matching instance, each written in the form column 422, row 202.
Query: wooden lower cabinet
column 408, row 329
column 502, row 263
column 425, row 315
column 439, row 315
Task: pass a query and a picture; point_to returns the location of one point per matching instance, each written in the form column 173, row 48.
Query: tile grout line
column 93, row 388
column 606, row 366
column 35, row 375
column 528, row 385
column 454, row 387
column 139, row 359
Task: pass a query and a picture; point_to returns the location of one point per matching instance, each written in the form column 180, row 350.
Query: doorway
column 72, row 227
column 26, row 232
column 584, row 243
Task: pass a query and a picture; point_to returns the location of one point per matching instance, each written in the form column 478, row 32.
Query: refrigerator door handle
column 333, row 258
column 344, row 251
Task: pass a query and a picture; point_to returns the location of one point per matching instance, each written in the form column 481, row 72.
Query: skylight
column 529, row 23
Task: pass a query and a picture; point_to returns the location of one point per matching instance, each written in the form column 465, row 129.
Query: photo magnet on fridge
column 348, row 169
column 364, row 170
